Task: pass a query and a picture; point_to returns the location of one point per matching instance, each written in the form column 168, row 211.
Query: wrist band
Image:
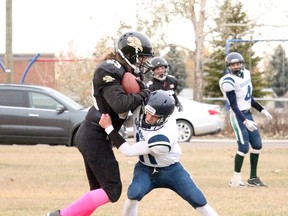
column 116, row 138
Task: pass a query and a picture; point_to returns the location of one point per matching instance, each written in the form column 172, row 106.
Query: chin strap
column 239, row 73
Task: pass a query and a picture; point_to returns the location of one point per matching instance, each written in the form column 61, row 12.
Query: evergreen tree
column 232, row 23
column 279, row 69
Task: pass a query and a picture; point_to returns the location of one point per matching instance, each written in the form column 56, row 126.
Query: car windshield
column 71, row 102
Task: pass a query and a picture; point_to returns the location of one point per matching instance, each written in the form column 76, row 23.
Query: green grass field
column 41, row 178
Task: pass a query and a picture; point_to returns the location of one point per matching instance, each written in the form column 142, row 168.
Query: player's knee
column 135, row 192
column 255, row 151
column 199, row 202
column 115, row 193
column 257, row 147
column 242, row 152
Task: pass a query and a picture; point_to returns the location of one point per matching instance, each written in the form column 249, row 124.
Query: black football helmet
column 158, row 62
column 133, row 45
column 235, row 57
column 159, row 103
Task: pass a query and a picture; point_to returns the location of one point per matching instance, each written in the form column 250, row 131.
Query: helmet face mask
column 160, row 104
column 135, row 48
column 234, row 63
column 160, row 68
column 144, row 66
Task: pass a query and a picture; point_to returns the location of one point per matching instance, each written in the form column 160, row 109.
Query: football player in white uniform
column 236, row 86
column 156, row 134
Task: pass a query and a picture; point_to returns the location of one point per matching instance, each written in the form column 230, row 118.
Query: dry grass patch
column 37, row 179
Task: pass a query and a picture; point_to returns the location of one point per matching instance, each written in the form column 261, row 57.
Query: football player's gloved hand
column 267, row 114
column 144, row 93
column 141, row 83
column 180, row 107
column 250, row 125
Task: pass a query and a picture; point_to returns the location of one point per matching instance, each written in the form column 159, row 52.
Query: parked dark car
column 38, row 115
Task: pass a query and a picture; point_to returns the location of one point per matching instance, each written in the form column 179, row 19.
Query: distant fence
column 275, row 129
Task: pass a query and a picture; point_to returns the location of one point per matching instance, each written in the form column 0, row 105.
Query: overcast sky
column 41, row 26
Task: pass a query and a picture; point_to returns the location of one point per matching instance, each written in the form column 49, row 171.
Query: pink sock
column 87, row 204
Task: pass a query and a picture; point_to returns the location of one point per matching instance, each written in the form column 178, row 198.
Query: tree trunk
column 199, row 42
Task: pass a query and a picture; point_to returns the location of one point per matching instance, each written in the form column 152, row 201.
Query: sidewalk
column 233, row 141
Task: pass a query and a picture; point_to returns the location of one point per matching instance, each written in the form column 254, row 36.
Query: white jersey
column 164, row 149
column 242, row 87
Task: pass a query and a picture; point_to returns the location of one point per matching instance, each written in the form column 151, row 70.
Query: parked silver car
column 198, row 119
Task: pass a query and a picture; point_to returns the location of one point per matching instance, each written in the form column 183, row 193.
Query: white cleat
column 236, row 183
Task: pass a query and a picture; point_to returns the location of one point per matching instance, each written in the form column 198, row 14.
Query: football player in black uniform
column 132, row 53
column 162, row 80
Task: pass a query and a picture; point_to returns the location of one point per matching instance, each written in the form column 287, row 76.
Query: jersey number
column 248, row 95
column 115, row 63
column 152, row 159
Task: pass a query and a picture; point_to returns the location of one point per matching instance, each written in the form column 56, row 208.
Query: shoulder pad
column 108, row 72
column 227, row 83
column 172, row 78
column 159, row 144
column 113, row 67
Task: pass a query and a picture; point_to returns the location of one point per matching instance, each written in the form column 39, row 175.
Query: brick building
column 41, row 72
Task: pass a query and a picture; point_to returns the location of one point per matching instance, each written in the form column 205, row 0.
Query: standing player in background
column 132, row 53
column 155, row 132
column 236, row 86
column 162, row 80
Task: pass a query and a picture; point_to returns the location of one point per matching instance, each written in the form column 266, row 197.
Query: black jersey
column 169, row 84
column 109, row 94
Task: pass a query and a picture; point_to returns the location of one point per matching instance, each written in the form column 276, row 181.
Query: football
column 130, row 84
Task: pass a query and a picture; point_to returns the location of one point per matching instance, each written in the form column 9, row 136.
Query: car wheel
column 73, row 143
column 73, row 138
column 185, row 131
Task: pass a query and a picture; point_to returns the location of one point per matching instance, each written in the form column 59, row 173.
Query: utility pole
column 8, row 53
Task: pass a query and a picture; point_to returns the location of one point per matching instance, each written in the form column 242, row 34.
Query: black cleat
column 256, row 182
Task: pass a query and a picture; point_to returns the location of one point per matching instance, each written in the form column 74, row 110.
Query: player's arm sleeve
column 231, row 96
column 136, row 149
column 109, row 93
column 256, row 105
column 159, row 144
column 115, row 137
column 227, row 85
column 177, row 102
column 174, row 80
column 119, row 101
column 125, row 148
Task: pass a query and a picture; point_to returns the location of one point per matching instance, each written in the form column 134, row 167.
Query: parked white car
column 198, row 119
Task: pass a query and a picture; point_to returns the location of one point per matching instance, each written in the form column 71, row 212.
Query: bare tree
column 74, row 75
column 155, row 21
column 165, row 11
column 199, row 42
